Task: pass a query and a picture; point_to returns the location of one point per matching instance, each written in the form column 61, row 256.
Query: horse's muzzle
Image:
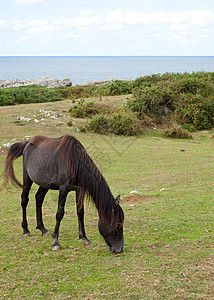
column 116, row 250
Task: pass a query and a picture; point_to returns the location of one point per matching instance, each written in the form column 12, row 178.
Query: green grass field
column 168, row 226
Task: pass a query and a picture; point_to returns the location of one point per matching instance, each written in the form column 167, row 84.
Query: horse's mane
column 86, row 176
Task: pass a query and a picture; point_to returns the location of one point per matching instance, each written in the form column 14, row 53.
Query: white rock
column 134, row 192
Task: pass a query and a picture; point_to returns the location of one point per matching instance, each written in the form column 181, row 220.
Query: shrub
column 89, row 109
column 70, row 123
column 99, row 124
column 30, row 94
column 188, row 97
column 119, row 123
column 119, row 87
column 6, row 97
column 190, row 85
column 64, row 92
column 195, row 111
column 176, row 131
column 156, row 100
column 81, row 91
column 125, row 123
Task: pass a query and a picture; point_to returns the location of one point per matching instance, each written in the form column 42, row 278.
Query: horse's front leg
column 59, row 216
column 80, row 213
column 40, row 195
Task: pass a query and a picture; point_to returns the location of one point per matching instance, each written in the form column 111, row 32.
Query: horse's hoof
column 27, row 234
column 56, row 247
column 47, row 233
column 87, row 243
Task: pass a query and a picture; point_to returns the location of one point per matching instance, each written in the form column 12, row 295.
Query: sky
column 106, row 28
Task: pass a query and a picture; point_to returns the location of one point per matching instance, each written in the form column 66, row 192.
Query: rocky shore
column 101, row 82
column 48, row 82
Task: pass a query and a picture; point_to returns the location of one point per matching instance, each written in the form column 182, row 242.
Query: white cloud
column 174, row 37
column 32, row 2
column 39, row 26
column 82, row 21
column 17, row 25
column 189, row 41
column 201, row 16
column 27, row 2
column 125, row 29
column 162, row 17
column 179, row 27
column 3, row 23
column 71, row 35
column 115, row 26
column 25, row 38
column 86, row 13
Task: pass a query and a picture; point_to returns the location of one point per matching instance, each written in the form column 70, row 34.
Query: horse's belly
column 44, row 178
column 43, row 170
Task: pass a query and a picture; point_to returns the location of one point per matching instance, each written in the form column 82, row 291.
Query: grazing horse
column 63, row 164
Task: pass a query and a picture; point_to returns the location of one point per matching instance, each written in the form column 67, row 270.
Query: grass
column 168, row 224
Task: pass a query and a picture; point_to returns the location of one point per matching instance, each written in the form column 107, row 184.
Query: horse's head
column 113, row 232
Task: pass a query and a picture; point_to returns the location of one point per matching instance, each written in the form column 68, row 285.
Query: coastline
column 81, row 70
column 49, row 82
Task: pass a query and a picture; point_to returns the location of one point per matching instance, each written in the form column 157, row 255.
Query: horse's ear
column 117, row 201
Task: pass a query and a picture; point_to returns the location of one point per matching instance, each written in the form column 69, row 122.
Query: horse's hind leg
column 27, row 183
column 40, row 195
column 80, row 214
column 59, row 215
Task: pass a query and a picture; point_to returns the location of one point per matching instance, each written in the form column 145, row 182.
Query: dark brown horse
column 63, row 164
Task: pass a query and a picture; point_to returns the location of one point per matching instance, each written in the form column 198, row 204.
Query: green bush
column 119, row 87
column 190, row 85
column 195, row 111
column 26, row 95
column 187, row 97
column 119, row 123
column 89, row 109
column 156, row 100
column 6, row 97
column 81, row 92
column 64, row 92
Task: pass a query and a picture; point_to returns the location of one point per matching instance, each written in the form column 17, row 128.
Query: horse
column 63, row 164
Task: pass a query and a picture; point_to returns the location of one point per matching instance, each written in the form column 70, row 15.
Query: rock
column 96, row 83
column 134, row 192
column 47, row 82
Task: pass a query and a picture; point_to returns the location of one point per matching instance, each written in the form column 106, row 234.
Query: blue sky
column 95, row 27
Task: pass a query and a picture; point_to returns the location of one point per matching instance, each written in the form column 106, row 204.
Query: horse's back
column 39, row 140
column 41, row 160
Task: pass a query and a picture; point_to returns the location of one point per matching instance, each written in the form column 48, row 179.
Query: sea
column 82, row 69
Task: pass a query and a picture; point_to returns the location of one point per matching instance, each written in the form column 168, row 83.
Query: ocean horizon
column 81, row 69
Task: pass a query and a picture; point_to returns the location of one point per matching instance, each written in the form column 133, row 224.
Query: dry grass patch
column 136, row 198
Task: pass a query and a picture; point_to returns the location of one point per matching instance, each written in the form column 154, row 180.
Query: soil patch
column 136, row 198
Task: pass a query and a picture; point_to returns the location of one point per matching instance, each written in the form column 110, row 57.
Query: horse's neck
column 102, row 196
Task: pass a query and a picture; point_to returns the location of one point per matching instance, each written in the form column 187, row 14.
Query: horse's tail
column 15, row 151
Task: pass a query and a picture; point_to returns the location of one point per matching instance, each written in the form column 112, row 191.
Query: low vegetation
column 118, row 123
column 106, row 119
column 187, row 99
column 89, row 109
